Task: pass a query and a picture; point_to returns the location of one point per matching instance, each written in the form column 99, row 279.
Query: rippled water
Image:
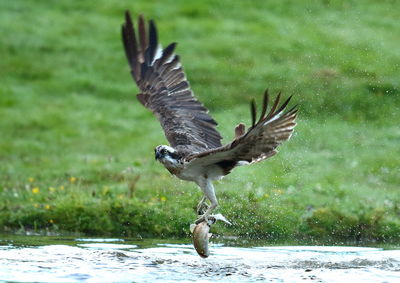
column 117, row 260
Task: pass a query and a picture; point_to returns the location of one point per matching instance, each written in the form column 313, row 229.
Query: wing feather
column 258, row 143
column 165, row 89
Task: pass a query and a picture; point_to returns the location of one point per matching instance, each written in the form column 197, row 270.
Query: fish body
column 202, row 235
column 201, row 238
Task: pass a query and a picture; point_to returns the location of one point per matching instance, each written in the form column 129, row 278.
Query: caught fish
column 201, row 235
column 201, row 238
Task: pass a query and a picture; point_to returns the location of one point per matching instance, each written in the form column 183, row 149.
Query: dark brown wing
column 258, row 143
column 166, row 91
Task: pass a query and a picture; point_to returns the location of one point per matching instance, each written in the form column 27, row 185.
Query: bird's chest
column 183, row 172
column 174, row 170
column 189, row 172
column 193, row 173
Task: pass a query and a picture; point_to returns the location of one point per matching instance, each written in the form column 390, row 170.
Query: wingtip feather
column 265, row 105
column 153, row 42
column 253, row 112
column 142, row 33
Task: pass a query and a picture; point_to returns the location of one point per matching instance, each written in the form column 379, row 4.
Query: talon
column 201, row 219
column 210, row 219
column 220, row 217
column 202, row 206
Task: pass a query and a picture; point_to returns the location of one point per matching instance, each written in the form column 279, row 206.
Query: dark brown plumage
column 259, row 142
column 166, row 91
column 186, row 123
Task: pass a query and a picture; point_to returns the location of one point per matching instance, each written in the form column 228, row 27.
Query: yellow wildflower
column 72, row 179
column 266, row 195
column 62, row 188
column 51, row 189
column 47, row 206
column 31, row 180
column 163, row 198
column 51, row 221
column 36, row 205
column 35, row 190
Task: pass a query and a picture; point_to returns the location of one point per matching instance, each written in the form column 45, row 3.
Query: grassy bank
column 76, row 148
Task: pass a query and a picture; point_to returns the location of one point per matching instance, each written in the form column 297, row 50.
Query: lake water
column 57, row 259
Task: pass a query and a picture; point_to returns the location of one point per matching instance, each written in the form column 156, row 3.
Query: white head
column 166, row 155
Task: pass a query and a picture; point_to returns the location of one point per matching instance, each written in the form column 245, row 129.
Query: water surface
column 38, row 259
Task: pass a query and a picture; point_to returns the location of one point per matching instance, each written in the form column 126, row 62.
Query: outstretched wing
column 166, row 91
column 258, row 143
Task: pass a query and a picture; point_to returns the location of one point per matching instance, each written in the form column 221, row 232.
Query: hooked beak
column 158, row 155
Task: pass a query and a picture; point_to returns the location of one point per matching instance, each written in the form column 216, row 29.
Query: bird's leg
column 202, row 206
column 208, row 190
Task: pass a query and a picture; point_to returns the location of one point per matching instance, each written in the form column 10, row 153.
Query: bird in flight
column 195, row 152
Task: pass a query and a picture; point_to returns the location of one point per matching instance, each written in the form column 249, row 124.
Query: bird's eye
column 163, row 151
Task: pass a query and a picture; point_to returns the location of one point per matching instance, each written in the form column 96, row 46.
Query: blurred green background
column 76, row 147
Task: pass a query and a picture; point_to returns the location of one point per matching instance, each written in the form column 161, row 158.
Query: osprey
column 195, row 153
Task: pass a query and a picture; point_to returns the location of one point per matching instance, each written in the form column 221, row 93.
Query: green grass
column 76, row 148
